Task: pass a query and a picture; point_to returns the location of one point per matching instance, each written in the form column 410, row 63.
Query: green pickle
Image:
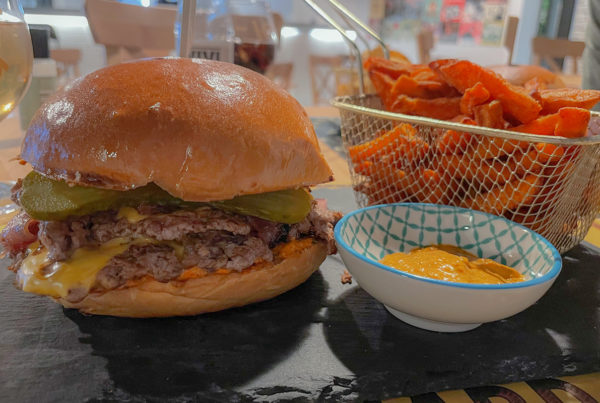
column 286, row 206
column 50, row 200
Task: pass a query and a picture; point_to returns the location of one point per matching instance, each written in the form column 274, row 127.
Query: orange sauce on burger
column 450, row 263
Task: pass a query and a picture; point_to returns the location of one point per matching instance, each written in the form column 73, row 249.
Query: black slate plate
column 321, row 341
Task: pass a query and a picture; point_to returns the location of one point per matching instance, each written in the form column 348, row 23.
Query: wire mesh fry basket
column 549, row 184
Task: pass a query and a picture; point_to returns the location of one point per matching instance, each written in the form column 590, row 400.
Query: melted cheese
column 130, row 214
column 79, row 271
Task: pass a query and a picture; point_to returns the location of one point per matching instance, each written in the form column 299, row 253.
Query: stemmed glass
column 236, row 31
column 254, row 34
column 16, row 56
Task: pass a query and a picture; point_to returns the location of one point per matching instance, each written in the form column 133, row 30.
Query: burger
column 168, row 187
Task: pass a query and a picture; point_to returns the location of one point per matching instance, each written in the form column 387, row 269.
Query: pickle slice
column 50, row 200
column 285, row 206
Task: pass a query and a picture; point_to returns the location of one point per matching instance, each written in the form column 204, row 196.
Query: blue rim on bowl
column 553, row 272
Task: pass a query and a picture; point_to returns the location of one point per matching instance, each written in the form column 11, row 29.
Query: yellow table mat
column 593, row 235
column 580, row 388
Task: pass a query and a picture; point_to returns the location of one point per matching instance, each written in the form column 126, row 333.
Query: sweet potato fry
column 433, row 190
column 532, row 217
column 464, row 119
column 406, row 85
column 573, row 122
column 381, row 171
column 436, row 108
column 496, row 147
column 554, row 99
column 555, row 175
column 427, row 78
column 441, row 89
column 549, row 153
column 363, row 167
column 391, row 68
column 426, row 74
column 463, row 74
column 452, row 141
column 383, row 183
column 507, row 196
column 543, row 125
column 423, row 185
column 378, row 193
column 476, row 95
column 383, row 85
column 361, row 152
column 567, row 122
column 490, row 115
column 492, row 172
column 400, row 145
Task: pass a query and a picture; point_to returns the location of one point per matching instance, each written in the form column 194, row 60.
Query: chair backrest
column 548, row 49
column 129, row 31
column 281, row 73
column 509, row 36
column 67, row 61
column 425, row 43
column 322, row 77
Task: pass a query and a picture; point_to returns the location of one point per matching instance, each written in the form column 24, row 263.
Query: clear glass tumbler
column 16, row 56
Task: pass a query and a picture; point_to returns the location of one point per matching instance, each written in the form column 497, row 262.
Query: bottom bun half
column 213, row 292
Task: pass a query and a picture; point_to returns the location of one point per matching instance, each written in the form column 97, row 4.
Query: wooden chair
column 67, row 62
column 425, row 42
column 281, row 73
column 547, row 50
column 131, row 32
column 322, row 77
column 510, row 34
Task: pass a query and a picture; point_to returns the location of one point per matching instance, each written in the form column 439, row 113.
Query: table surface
column 321, row 341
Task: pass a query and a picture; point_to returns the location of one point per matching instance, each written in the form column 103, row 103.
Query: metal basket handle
column 349, row 17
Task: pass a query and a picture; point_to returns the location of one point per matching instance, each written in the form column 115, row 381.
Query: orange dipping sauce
column 451, row 263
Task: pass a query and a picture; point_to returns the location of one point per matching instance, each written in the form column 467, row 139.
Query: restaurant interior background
column 469, row 29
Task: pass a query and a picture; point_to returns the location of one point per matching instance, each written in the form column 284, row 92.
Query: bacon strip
column 19, row 233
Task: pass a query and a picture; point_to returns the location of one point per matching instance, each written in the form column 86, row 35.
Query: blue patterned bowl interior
column 373, row 232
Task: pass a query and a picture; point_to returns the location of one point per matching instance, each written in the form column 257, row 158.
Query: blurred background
column 310, row 59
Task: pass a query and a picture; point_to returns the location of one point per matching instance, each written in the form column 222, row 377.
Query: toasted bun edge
column 210, row 293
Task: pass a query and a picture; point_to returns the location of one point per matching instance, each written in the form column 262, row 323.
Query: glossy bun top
column 202, row 130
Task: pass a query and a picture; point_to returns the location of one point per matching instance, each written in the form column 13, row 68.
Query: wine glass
column 254, row 34
column 16, row 56
column 235, row 31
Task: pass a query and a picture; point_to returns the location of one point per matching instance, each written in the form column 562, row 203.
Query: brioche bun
column 211, row 293
column 201, row 130
column 519, row 75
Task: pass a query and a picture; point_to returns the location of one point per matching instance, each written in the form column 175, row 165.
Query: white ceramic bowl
column 366, row 235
